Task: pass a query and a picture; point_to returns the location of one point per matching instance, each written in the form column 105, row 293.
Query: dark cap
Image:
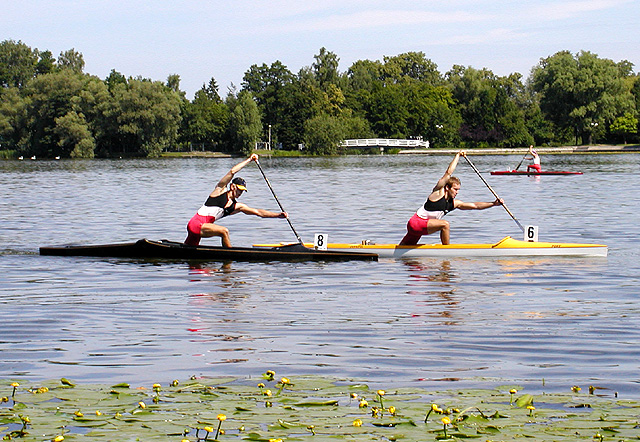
column 240, row 183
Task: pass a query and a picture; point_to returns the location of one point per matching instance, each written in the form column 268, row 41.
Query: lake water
column 545, row 323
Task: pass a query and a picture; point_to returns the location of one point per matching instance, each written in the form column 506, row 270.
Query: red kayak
column 534, row 173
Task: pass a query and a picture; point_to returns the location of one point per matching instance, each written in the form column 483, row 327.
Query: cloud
column 378, row 18
column 564, row 10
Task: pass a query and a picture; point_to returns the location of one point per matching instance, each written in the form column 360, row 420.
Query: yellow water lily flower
column 446, row 420
column 392, row 410
column 142, row 405
column 513, row 391
column 58, row 438
column 222, row 417
column 98, row 413
column 576, row 389
column 157, row 387
column 381, row 392
column 357, row 423
column 15, row 384
column 79, row 413
column 268, row 393
column 285, row 381
column 260, row 385
column 363, row 403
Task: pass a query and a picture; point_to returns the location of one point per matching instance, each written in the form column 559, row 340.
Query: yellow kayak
column 505, row 247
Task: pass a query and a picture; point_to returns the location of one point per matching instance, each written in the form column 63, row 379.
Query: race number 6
column 531, row 233
column 320, row 241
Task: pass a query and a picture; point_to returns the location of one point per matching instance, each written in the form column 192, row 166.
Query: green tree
column 411, row 66
column 115, row 78
column 325, row 68
column 75, row 138
column 145, row 116
column 433, row 114
column 387, row 110
column 50, row 96
column 581, row 93
column 13, row 118
column 323, row 134
column 488, row 107
column 204, row 119
column 71, row 59
column 46, row 62
column 624, row 126
column 17, row 64
column 245, row 126
column 270, row 86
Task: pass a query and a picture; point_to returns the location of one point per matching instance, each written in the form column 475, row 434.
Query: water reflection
column 433, row 300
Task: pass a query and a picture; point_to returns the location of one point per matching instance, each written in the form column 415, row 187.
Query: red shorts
column 194, row 227
column 534, row 166
column 416, row 227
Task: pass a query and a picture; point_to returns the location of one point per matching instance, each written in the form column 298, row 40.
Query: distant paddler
column 442, row 200
column 223, row 202
column 533, row 155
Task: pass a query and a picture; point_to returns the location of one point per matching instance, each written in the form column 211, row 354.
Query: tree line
column 49, row 107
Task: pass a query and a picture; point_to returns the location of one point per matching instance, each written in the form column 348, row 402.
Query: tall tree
column 411, row 66
column 245, row 126
column 17, row 64
column 269, row 85
column 490, row 115
column 143, row 118
column 582, row 92
column 204, row 119
column 325, row 68
column 71, row 59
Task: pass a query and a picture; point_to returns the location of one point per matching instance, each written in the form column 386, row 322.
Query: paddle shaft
column 278, row 201
column 520, row 163
column 494, row 192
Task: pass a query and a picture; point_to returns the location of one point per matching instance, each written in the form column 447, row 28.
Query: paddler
column 536, row 160
column 223, row 202
column 442, row 200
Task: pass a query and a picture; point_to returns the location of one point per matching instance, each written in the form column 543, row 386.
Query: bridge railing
column 384, row 142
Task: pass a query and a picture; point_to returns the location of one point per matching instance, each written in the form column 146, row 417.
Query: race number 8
column 320, row 241
column 531, row 233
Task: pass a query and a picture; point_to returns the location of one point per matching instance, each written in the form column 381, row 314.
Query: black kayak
column 164, row 249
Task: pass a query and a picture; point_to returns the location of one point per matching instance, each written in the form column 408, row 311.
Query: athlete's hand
column 253, row 157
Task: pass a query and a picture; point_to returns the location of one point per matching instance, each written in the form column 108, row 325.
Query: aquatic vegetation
column 305, row 408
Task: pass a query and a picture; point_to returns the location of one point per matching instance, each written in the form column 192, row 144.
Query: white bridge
column 385, row 142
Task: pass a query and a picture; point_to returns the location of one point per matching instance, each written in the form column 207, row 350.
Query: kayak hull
column 171, row 250
column 532, row 173
column 505, row 247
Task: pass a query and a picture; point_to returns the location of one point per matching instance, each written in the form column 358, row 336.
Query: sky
column 204, row 39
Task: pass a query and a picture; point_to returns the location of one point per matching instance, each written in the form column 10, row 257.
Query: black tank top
column 221, row 201
column 442, row 205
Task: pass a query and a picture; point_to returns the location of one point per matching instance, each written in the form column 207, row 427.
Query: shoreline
column 560, row 150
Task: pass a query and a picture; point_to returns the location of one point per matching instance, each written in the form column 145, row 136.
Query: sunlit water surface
column 545, row 323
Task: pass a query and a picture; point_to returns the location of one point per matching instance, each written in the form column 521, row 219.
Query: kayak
column 533, row 173
column 164, row 249
column 505, row 247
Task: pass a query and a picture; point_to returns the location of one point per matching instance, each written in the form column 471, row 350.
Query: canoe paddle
column 494, row 193
column 520, row 163
column 280, row 205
